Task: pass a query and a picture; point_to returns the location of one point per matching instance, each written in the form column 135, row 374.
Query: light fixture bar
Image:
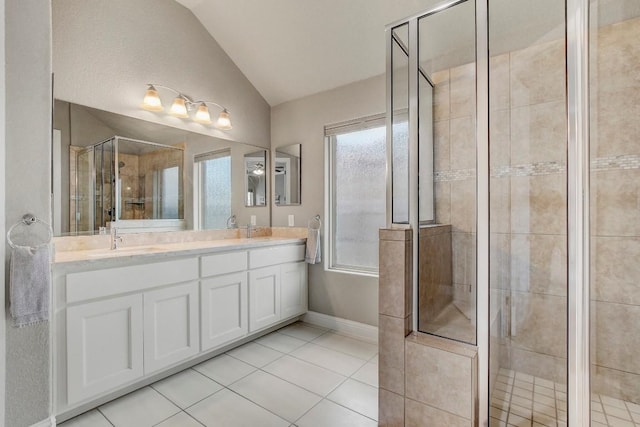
column 183, row 104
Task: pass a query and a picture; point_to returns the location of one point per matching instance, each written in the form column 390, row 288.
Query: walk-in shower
column 514, row 145
column 147, row 183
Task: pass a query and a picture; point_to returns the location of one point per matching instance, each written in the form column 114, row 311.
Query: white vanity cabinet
column 125, row 322
column 278, row 286
column 293, row 289
column 223, row 298
column 104, row 345
column 130, row 320
column 264, row 297
column 171, row 326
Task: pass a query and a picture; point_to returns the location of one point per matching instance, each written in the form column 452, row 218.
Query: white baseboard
column 347, row 327
column 49, row 422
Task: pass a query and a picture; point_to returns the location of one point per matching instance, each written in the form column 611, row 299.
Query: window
column 213, row 189
column 356, row 193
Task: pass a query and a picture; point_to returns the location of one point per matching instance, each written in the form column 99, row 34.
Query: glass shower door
column 528, row 212
column 83, row 218
column 615, row 212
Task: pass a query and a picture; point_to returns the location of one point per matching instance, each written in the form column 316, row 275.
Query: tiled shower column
column 424, row 380
column 394, row 324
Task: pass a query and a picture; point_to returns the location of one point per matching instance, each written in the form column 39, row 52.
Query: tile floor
column 523, row 400
column 300, row 375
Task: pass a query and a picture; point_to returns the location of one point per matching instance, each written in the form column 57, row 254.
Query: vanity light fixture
column 152, row 100
column 182, row 105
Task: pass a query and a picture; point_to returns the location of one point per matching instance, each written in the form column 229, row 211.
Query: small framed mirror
column 255, row 165
column 287, row 173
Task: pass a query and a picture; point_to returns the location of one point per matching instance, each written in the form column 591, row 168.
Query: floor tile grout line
column 104, row 415
column 351, row 409
column 195, row 403
column 180, row 411
column 257, row 404
column 320, row 329
column 349, row 354
column 298, row 385
column 200, row 373
column 328, row 369
column 314, row 393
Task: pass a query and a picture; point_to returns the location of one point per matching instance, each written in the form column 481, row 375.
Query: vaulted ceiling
column 292, row 48
column 289, row 49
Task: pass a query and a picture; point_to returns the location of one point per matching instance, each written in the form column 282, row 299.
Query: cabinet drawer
column 114, row 281
column 275, row 255
column 215, row 265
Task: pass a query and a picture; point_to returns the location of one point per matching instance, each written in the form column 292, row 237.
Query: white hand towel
column 29, row 280
column 313, row 246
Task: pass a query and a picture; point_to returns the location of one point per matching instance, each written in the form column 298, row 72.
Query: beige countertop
column 159, row 250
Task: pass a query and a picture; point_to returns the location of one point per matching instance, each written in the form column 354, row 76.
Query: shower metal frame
column 115, row 152
column 578, row 187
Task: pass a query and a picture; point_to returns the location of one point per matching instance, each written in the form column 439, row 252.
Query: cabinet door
column 223, row 302
column 293, row 293
column 104, row 346
column 264, row 297
column 171, row 332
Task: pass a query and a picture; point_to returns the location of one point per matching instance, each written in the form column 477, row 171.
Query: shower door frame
column 578, row 234
column 578, row 188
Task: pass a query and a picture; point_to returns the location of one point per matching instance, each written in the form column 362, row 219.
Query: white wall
column 348, row 296
column 27, row 170
column 104, row 52
column 3, row 333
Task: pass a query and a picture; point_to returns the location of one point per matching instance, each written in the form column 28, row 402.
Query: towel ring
column 28, row 220
column 315, row 223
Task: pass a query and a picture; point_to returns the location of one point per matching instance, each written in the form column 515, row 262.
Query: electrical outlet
column 291, row 221
column 253, row 220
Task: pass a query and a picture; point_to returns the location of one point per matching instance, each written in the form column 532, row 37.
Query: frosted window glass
column 216, row 192
column 359, row 198
column 400, row 136
column 170, row 192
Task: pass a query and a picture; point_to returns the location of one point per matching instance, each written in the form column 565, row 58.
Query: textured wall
column 302, row 121
column 105, row 52
column 28, row 146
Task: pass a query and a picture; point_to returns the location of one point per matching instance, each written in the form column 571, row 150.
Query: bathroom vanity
column 130, row 316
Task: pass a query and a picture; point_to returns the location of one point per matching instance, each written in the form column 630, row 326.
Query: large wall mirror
column 286, row 175
column 149, row 177
column 255, row 165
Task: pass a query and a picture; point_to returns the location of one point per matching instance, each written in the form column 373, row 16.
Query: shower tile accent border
column 623, row 162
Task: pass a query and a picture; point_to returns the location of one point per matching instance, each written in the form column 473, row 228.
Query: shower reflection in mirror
column 122, row 179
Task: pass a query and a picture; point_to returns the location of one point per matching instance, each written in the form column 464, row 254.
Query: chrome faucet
column 115, row 239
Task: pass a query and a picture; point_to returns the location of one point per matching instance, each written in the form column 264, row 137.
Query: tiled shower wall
column 157, row 161
column 528, row 206
column 130, row 207
column 615, row 211
column 454, row 167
